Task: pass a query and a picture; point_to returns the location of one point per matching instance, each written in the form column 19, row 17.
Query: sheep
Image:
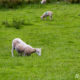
column 47, row 13
column 43, row 1
column 24, row 49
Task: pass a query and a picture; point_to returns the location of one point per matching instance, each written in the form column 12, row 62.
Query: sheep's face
column 41, row 2
column 38, row 51
column 41, row 17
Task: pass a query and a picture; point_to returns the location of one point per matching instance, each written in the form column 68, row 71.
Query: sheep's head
column 41, row 2
column 41, row 17
column 38, row 51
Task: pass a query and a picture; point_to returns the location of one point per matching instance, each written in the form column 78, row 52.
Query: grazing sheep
column 47, row 13
column 43, row 1
column 24, row 49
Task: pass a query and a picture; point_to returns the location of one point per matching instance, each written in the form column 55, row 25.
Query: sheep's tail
column 12, row 50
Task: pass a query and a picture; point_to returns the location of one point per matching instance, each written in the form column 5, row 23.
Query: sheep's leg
column 50, row 17
column 12, row 51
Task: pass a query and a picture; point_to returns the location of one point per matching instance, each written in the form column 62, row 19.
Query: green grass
column 59, row 40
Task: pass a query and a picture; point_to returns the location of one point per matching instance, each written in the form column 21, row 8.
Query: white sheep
column 43, row 1
column 24, row 49
column 47, row 13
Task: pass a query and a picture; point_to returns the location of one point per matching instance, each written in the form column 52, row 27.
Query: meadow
column 59, row 40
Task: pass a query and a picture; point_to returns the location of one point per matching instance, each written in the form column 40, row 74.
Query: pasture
column 59, row 40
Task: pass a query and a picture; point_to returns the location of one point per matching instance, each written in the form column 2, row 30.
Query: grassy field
column 59, row 40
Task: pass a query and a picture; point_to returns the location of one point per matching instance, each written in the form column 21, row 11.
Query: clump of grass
column 15, row 23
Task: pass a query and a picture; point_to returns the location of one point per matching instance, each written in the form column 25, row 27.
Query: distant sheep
column 24, row 49
column 47, row 13
column 43, row 1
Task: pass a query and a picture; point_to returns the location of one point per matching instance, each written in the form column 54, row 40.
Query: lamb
column 47, row 13
column 24, row 49
column 43, row 1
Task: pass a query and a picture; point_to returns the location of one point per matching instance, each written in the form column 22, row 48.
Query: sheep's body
column 23, row 48
column 43, row 1
column 47, row 13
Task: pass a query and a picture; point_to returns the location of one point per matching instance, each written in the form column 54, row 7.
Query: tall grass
column 73, row 1
column 15, row 3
